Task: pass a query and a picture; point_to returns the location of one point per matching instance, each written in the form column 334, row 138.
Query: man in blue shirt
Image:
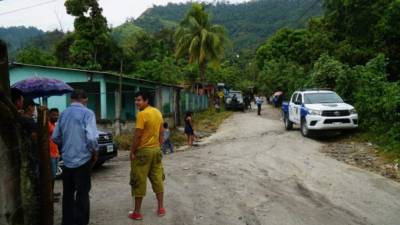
column 76, row 135
column 259, row 102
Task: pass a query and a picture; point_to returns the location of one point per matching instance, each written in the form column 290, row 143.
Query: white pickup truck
column 318, row 110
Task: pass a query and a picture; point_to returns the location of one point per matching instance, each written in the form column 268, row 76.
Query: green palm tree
column 200, row 40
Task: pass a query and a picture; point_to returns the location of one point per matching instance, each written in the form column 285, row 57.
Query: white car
column 318, row 110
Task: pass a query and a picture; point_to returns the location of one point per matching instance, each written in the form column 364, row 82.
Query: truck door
column 297, row 105
column 292, row 109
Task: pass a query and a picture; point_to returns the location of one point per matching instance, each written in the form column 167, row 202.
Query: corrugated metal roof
column 113, row 74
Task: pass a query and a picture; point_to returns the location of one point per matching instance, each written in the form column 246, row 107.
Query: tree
column 326, row 71
column 35, row 56
column 91, row 32
column 62, row 54
column 199, row 39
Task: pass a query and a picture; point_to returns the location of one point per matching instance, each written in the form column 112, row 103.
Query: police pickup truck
column 317, row 110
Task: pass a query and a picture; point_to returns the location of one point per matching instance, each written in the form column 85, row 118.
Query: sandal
column 161, row 212
column 135, row 216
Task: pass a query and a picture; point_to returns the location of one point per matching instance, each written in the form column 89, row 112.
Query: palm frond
column 194, row 49
column 202, row 41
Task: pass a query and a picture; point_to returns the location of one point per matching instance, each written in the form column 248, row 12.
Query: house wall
column 70, row 77
column 102, row 89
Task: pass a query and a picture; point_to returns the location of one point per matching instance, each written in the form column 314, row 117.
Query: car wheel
column 304, row 128
column 287, row 122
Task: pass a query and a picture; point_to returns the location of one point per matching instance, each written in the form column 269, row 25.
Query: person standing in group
column 167, row 142
column 259, row 102
column 76, row 135
column 54, row 152
column 31, row 128
column 189, row 128
column 30, row 169
column 146, row 156
column 18, row 99
column 217, row 104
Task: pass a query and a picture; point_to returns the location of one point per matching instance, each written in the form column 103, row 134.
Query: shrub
column 124, row 141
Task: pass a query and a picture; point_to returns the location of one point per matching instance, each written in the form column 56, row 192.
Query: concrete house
column 102, row 89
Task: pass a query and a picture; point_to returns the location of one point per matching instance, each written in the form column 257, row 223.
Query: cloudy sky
column 50, row 14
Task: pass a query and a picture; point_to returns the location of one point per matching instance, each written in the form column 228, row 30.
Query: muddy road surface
column 250, row 172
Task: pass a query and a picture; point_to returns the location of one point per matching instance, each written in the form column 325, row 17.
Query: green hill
column 248, row 24
column 18, row 37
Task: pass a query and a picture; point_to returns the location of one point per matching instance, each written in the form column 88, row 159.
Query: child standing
column 189, row 128
column 167, row 142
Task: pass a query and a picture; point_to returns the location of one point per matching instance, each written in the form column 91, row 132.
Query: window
column 299, row 98
column 325, row 97
column 294, row 96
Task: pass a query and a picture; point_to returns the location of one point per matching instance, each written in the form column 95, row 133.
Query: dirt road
column 251, row 172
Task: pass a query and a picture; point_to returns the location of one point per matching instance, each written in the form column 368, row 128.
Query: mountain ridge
column 248, row 24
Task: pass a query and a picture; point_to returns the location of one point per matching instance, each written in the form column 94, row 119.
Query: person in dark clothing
column 189, row 128
column 217, row 104
column 247, row 102
column 234, row 98
column 31, row 129
column 30, row 169
column 17, row 98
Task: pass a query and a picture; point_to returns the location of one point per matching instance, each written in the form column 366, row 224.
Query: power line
column 307, row 10
column 28, row 7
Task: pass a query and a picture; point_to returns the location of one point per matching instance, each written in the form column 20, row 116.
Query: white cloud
column 52, row 15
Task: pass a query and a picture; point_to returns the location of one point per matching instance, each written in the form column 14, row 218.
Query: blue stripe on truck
column 303, row 111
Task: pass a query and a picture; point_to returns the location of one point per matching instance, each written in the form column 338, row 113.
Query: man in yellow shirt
column 146, row 155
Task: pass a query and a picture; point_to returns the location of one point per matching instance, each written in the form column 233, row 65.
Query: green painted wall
column 101, row 90
column 60, row 102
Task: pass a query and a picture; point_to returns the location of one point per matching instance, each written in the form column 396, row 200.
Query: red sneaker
column 161, row 212
column 135, row 216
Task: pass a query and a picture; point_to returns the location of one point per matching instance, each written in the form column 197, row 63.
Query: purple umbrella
column 42, row 87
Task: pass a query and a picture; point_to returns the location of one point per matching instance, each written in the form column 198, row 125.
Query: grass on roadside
column 207, row 121
column 124, row 141
column 389, row 151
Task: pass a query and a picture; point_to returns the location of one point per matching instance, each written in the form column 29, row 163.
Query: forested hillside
column 18, row 37
column 353, row 49
column 248, row 24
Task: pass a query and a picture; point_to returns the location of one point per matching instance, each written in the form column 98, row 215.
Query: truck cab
column 318, row 110
column 234, row 101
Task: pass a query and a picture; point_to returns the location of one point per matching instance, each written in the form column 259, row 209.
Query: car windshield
column 315, row 98
column 238, row 95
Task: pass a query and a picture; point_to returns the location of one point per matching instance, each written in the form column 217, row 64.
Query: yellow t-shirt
column 150, row 121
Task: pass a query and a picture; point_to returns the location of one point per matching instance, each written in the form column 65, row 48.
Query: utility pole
column 119, row 101
column 46, row 212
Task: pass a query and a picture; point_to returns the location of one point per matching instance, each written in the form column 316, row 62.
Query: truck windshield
column 315, row 98
column 238, row 95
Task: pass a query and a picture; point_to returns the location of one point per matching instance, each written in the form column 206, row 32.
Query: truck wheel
column 287, row 122
column 304, row 128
